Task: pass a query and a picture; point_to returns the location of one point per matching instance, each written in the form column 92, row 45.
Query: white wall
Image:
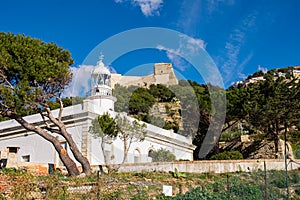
column 212, row 166
column 34, row 145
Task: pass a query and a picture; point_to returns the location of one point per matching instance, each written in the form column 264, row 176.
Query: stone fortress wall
column 163, row 74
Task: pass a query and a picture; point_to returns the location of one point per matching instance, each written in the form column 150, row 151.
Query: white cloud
column 242, row 65
column 148, row 7
column 213, row 5
column 173, row 55
column 80, row 84
column 81, row 81
column 187, row 47
column 233, row 47
column 189, row 16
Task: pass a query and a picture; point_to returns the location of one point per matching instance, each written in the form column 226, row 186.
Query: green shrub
column 279, row 182
column 239, row 188
column 294, row 177
column 197, row 193
column 162, row 155
column 177, row 174
column 297, row 154
column 294, row 136
column 227, row 136
column 227, row 155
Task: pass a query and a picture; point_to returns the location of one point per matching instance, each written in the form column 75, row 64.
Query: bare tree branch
column 53, row 130
column 44, row 120
column 60, row 109
column 59, row 124
column 5, row 79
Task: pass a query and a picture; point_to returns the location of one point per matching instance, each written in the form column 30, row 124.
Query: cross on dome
column 100, row 67
column 101, row 57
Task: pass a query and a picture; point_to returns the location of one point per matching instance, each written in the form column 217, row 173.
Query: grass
column 145, row 185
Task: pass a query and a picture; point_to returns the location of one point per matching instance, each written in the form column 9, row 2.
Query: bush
column 228, row 155
column 171, row 125
column 228, row 136
column 240, row 188
column 197, row 193
column 297, row 154
column 162, row 155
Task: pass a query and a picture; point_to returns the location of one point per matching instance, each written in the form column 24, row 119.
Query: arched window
column 150, row 153
column 137, row 156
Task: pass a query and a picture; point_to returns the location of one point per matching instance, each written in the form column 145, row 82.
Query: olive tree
column 106, row 128
column 130, row 132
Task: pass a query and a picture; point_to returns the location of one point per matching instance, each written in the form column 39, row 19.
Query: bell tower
column 99, row 98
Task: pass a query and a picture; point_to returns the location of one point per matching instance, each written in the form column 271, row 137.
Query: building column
column 86, row 140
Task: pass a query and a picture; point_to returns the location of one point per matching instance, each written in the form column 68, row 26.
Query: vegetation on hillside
column 149, row 185
column 269, row 107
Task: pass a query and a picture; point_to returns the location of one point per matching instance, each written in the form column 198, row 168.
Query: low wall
column 207, row 166
column 215, row 166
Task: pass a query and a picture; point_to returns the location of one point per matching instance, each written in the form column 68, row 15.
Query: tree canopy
column 33, row 75
column 270, row 106
column 32, row 72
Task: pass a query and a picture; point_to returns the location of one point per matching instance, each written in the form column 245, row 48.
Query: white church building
column 21, row 146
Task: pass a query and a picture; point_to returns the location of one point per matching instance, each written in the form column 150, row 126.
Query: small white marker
column 167, row 190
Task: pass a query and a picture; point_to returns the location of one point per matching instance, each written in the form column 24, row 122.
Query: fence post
column 286, row 167
column 266, row 184
column 98, row 184
column 228, row 187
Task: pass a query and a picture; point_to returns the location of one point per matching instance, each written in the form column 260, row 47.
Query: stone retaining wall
column 216, row 166
column 207, row 166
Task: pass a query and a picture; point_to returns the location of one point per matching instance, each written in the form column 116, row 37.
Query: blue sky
column 240, row 36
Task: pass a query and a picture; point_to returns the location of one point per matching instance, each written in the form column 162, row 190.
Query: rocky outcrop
column 257, row 149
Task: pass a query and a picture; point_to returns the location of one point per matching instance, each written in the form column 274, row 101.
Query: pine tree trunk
column 86, row 168
column 276, row 144
column 65, row 158
column 73, row 147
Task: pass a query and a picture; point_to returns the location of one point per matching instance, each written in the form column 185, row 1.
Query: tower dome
column 101, row 79
column 101, row 74
column 99, row 98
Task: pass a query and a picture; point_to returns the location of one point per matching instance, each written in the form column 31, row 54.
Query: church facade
column 20, row 146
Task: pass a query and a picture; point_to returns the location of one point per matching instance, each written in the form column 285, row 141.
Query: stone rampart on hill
column 163, row 74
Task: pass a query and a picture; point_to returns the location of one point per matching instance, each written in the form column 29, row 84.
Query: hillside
column 266, row 106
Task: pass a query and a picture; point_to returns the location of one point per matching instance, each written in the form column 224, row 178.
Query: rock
column 82, row 175
column 183, row 189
